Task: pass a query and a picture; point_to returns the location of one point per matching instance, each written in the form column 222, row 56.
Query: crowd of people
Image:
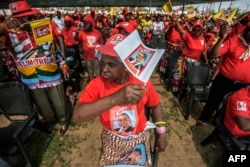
column 54, row 68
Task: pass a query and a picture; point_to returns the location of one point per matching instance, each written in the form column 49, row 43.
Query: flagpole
column 231, row 4
column 220, row 5
column 183, row 6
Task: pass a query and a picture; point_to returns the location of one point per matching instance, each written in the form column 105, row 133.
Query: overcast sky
column 242, row 4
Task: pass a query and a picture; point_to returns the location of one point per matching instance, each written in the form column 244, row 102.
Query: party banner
column 226, row 15
column 42, row 31
column 191, row 12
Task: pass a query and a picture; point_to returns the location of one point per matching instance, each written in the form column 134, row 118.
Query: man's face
column 68, row 23
column 124, row 121
column 133, row 159
column 128, row 16
column 140, row 58
column 87, row 26
column 58, row 14
column 197, row 31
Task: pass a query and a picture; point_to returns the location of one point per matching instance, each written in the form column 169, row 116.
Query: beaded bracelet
column 160, row 123
column 161, row 129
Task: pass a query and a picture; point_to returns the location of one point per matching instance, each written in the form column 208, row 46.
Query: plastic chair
column 74, row 71
column 3, row 72
column 229, row 141
column 16, row 106
column 197, row 79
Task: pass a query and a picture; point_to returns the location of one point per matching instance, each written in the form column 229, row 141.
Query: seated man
column 237, row 114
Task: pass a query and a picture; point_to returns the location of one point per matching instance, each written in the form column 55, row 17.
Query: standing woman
column 195, row 46
column 117, row 92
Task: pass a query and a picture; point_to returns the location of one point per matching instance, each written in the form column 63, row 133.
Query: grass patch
column 60, row 145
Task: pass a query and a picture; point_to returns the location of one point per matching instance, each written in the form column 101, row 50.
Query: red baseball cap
column 22, row 9
column 128, row 27
column 108, row 48
column 68, row 18
column 88, row 18
column 197, row 24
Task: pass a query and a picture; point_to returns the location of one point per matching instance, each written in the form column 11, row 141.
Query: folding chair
column 16, row 106
column 229, row 141
column 197, row 79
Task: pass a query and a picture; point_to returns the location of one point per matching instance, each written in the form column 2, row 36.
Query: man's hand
column 225, row 30
column 12, row 23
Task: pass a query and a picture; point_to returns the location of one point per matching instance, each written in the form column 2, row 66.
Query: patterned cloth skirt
column 116, row 148
column 164, row 60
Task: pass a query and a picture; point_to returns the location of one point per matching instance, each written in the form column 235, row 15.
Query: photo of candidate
column 133, row 158
column 139, row 60
column 137, row 156
column 125, row 124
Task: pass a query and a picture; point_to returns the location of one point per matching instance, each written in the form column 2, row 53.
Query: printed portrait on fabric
column 137, row 156
column 124, row 119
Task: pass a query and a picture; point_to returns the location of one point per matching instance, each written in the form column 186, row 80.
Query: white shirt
column 59, row 22
column 157, row 27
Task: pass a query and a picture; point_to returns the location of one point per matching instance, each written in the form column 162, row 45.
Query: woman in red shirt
column 115, row 93
column 194, row 51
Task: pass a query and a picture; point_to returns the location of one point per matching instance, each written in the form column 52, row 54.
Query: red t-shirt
column 100, row 87
column 89, row 42
column 237, row 29
column 56, row 32
column 68, row 36
column 194, row 46
column 238, row 105
column 174, row 36
column 231, row 66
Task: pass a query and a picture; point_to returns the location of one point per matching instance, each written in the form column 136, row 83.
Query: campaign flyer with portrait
column 139, row 59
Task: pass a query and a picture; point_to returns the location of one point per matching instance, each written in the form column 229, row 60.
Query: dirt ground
column 183, row 137
column 81, row 146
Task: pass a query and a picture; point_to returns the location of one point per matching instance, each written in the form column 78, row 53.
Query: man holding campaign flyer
column 39, row 61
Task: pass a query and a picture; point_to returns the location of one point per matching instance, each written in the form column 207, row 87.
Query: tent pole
column 149, row 5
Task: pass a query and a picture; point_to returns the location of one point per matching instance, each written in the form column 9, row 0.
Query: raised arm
column 180, row 29
column 223, row 35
